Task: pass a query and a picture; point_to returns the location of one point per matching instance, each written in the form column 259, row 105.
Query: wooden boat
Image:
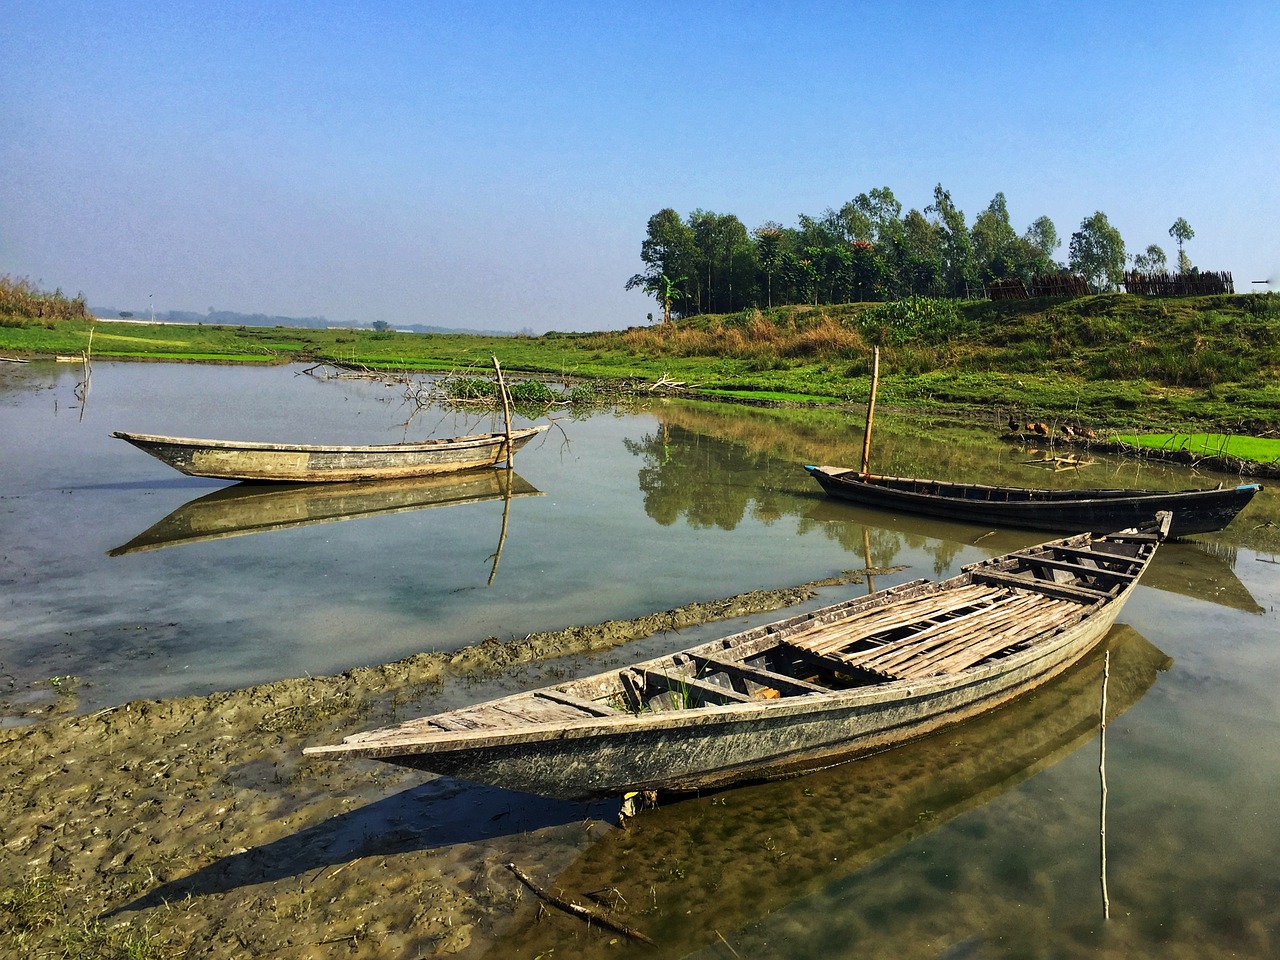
column 311, row 463
column 845, row 680
column 246, row 508
column 778, row 842
column 1062, row 511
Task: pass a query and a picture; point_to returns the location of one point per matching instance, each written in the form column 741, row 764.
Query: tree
column 1152, row 261
column 668, row 251
column 718, row 238
column 769, row 243
column 1182, row 232
column 995, row 245
column 957, row 247
column 1097, row 251
column 921, row 270
column 1042, row 240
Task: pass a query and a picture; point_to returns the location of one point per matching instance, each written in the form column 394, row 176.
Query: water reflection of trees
column 712, row 482
column 941, row 447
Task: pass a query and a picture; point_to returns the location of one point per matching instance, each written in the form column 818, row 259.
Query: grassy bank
column 1211, row 363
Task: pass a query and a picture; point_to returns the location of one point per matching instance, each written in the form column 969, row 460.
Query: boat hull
column 688, row 751
column 1063, row 511
column 821, row 687
column 312, row 463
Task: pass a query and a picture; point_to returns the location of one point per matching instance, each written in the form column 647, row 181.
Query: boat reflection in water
column 245, row 508
column 687, row 874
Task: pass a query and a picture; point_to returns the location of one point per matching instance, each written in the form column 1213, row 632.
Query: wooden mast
column 871, row 413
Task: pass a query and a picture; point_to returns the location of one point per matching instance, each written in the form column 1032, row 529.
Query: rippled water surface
column 983, row 842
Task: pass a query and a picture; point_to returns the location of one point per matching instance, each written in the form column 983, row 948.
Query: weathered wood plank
column 586, row 706
column 1080, row 569
column 537, row 710
column 768, row 678
column 845, row 633
column 1098, row 556
column 678, row 682
column 962, row 631
column 1062, row 590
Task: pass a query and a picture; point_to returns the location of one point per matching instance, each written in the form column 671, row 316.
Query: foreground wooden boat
column 778, row 842
column 1062, row 511
column 246, row 508
column 312, row 463
column 845, row 680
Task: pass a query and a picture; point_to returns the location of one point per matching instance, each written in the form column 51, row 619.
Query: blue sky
column 493, row 165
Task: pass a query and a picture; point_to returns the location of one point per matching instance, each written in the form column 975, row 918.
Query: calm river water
column 980, row 843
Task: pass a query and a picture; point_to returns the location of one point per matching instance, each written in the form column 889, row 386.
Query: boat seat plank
column 1070, row 566
column 1062, row 590
column 582, row 704
column 679, row 681
column 1078, row 568
column 1097, row 554
column 768, row 678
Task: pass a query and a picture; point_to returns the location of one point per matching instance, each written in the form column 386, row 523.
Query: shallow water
column 644, row 511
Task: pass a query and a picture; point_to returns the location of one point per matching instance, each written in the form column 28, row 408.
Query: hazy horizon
column 475, row 167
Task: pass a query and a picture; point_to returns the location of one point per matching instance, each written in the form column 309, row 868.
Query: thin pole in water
column 1102, row 772
column 871, row 412
column 506, row 410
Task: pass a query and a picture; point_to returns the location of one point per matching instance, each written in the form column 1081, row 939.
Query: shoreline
column 196, row 823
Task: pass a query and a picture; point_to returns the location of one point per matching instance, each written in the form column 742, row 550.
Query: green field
column 1125, row 363
column 1258, row 449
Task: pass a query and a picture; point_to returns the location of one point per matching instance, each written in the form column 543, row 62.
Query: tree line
column 870, row 250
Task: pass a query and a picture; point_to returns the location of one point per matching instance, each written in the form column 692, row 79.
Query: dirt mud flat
column 194, row 827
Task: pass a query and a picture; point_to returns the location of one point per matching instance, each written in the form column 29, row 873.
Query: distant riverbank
column 1113, row 361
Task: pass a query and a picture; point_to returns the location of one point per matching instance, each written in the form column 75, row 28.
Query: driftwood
column 577, row 910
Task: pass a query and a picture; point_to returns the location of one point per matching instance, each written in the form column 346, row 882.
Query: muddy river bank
column 193, row 826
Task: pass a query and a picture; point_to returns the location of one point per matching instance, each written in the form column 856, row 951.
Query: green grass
column 1120, row 362
column 1258, row 449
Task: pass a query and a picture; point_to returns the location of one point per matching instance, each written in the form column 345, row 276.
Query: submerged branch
column 577, row 910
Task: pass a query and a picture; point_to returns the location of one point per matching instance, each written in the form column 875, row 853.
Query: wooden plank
column 844, row 633
column 921, row 647
column 780, row 682
column 1020, row 634
column 1042, row 620
column 533, row 709
column 1103, row 556
column 452, row 721
column 633, row 683
column 1072, row 567
column 680, row 682
column 586, row 706
column 1062, row 590
column 904, row 647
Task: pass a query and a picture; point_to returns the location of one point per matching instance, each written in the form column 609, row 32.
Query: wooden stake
column 1102, row 772
column 506, row 410
column 871, row 412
